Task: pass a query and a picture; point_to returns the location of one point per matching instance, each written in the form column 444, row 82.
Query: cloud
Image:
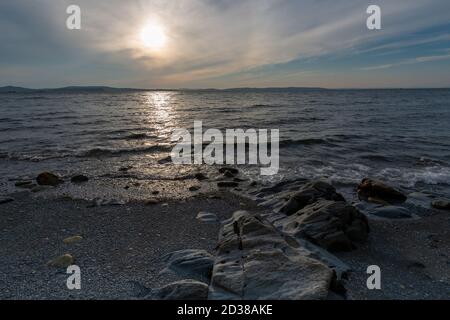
column 409, row 61
column 207, row 39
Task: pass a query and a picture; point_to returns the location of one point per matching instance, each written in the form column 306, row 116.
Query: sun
column 153, row 36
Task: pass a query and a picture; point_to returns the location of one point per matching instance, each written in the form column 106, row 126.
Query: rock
column 441, row 204
column 165, row 160
column 308, row 194
column 227, row 184
column 62, row 261
column 207, row 217
column 197, row 264
column 23, row 184
column 6, row 200
column 98, row 202
column 391, row 212
column 200, row 176
column 230, row 170
column 125, row 169
column 194, row 188
column 74, row 239
column 333, row 225
column 79, row 179
column 151, row 202
column 254, row 261
column 379, row 190
column 48, row 179
column 182, row 290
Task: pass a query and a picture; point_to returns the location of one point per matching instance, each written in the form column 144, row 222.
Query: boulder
column 254, row 261
column 182, row 290
column 196, row 264
column 308, row 194
column 79, row 179
column 48, row 179
column 375, row 189
column 333, row 225
column 441, row 204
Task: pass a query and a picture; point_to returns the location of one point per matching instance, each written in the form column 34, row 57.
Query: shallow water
column 401, row 136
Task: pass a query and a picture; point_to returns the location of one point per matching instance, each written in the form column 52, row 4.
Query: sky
column 225, row 44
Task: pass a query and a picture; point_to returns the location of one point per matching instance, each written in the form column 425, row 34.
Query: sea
column 401, row 136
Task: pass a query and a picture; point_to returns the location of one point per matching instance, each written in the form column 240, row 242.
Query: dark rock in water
column 227, row 184
column 229, row 170
column 391, row 212
column 228, row 174
column 23, row 184
column 125, row 169
column 194, row 188
column 308, row 194
column 48, row 179
column 379, row 190
column 441, row 204
column 200, row 176
column 79, row 179
column 165, row 160
column 5, row 200
column 333, row 225
column 255, row 261
column 182, row 290
column 197, row 264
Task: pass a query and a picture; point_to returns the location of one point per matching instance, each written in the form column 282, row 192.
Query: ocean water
column 400, row 136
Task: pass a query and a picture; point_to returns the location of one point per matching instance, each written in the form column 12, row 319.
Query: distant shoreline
column 106, row 89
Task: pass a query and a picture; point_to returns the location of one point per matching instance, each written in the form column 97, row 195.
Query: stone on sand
column 4, row 200
column 182, row 290
column 73, row 239
column 227, row 184
column 48, row 179
column 391, row 212
column 196, row 264
column 79, row 178
column 441, row 204
column 207, row 217
column 62, row 261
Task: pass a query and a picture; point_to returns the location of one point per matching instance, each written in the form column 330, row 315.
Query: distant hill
column 72, row 89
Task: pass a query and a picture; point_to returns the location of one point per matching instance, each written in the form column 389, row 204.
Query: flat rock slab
column 193, row 263
column 207, row 217
column 392, row 212
column 255, row 261
column 182, row 290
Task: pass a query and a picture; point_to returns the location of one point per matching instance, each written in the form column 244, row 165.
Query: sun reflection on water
column 161, row 111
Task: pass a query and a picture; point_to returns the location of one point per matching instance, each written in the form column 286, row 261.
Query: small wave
column 138, row 136
column 375, row 157
column 105, row 152
column 307, row 141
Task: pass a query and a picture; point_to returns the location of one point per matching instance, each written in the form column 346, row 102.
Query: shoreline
column 124, row 246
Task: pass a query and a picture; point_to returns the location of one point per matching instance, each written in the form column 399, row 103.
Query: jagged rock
column 207, row 217
column 48, row 179
column 6, row 200
column 227, row 184
column 197, row 264
column 333, row 225
column 391, row 212
column 308, row 194
column 182, row 290
column 79, row 179
column 229, row 170
column 74, row 239
column 255, row 261
column 379, row 190
column 62, row 261
column 441, row 204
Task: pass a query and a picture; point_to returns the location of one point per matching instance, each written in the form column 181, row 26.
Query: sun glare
column 153, row 36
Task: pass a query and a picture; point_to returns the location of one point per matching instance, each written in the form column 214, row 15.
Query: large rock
column 375, row 189
column 182, row 290
column 441, row 204
column 192, row 263
column 255, row 261
column 308, row 194
column 48, row 179
column 333, row 225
